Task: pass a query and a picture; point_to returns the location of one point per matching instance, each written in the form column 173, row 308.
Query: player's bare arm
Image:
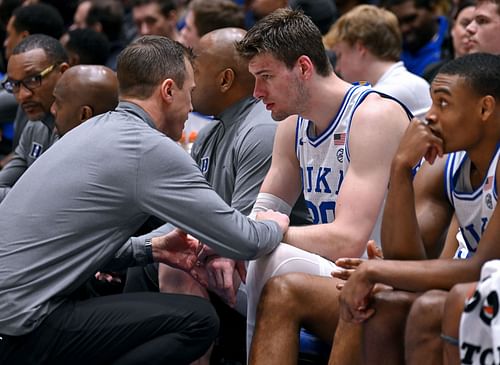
column 376, row 129
column 417, row 212
column 283, row 177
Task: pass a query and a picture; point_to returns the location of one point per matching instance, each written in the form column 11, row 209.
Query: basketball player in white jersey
column 334, row 142
column 463, row 121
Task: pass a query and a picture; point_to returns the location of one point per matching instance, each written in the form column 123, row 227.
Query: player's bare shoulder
column 287, row 127
column 378, row 125
column 383, row 111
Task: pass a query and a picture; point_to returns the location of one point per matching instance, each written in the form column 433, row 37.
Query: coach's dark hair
column 286, row 34
column 149, row 60
column 53, row 48
column 480, row 70
column 38, row 18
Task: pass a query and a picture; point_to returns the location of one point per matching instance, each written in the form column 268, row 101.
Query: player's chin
column 279, row 116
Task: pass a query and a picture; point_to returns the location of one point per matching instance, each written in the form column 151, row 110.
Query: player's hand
column 224, row 277
column 348, row 265
column 419, row 141
column 356, row 295
column 282, row 219
column 109, row 277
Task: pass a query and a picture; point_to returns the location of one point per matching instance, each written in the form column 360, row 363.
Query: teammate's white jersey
column 324, row 159
column 473, row 208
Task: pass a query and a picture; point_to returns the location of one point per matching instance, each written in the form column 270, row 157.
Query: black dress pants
column 133, row 328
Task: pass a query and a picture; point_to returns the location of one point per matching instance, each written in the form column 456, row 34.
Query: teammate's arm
column 451, row 241
column 417, row 213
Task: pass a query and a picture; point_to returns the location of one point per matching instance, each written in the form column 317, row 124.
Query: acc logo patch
column 340, row 155
column 489, row 202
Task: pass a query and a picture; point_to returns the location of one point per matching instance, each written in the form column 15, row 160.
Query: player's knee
column 426, row 312
column 391, row 309
column 280, row 292
column 460, row 292
column 391, row 302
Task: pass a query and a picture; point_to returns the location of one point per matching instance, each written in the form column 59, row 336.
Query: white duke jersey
column 473, row 208
column 324, row 159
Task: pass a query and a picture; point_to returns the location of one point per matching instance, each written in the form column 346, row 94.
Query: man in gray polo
column 35, row 65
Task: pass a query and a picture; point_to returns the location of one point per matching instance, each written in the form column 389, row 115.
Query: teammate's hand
column 419, row 141
column 356, row 295
column 348, row 265
column 282, row 219
column 225, row 276
column 109, row 277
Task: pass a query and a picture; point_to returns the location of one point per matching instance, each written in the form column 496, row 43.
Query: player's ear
column 360, row 48
column 306, row 66
column 488, row 104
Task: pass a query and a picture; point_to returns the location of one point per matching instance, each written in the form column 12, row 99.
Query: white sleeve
column 266, row 201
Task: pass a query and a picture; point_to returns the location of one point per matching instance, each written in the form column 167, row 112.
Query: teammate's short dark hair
column 91, row 47
column 7, row 7
column 480, row 70
column 53, row 48
column 166, row 6
column 39, row 18
column 216, row 14
column 149, row 60
column 426, row 4
column 109, row 13
column 286, row 34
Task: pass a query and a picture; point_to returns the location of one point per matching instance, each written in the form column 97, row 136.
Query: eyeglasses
column 30, row 83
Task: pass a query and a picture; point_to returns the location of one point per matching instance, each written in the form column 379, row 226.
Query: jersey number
column 320, row 214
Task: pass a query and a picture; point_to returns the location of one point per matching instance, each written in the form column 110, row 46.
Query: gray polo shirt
column 234, row 152
column 36, row 138
column 73, row 209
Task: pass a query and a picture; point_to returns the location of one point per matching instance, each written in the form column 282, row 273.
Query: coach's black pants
column 134, row 328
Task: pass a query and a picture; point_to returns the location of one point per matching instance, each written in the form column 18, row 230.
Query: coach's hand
column 180, row 250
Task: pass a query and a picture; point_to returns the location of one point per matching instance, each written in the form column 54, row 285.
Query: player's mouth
column 269, row 106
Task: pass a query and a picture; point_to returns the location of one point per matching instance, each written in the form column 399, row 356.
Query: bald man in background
column 86, row 91
column 82, row 92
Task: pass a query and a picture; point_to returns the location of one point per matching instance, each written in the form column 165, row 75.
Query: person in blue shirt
column 425, row 34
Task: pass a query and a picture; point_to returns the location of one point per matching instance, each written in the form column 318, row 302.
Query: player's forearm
column 419, row 276
column 400, row 233
column 324, row 241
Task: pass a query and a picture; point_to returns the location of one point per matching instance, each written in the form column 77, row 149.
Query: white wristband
column 267, row 201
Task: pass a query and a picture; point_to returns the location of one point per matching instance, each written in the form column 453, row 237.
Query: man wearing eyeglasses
column 26, row 20
column 32, row 72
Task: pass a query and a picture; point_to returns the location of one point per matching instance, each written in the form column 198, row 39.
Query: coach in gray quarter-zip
column 82, row 200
